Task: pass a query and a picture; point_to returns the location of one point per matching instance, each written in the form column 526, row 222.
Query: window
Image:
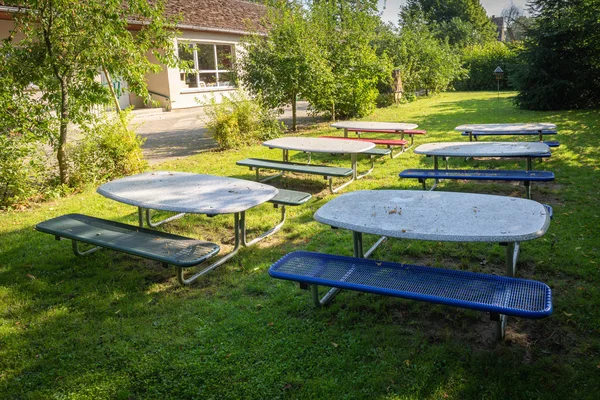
column 212, row 64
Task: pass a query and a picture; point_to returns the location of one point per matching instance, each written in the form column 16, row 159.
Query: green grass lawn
column 111, row 326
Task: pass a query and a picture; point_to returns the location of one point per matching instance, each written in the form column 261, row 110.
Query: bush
column 560, row 62
column 239, row 121
column 385, row 100
column 21, row 170
column 481, row 61
column 109, row 149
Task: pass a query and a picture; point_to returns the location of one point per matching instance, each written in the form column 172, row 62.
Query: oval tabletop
column 441, row 216
column 374, row 126
column 319, row 145
column 530, row 127
column 484, row 149
column 188, row 192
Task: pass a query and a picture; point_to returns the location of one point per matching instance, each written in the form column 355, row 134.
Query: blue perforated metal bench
column 498, row 295
column 494, row 175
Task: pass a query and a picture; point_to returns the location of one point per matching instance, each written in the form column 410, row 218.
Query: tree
column 64, row 46
column 278, row 67
column 511, row 16
column 560, row 64
column 425, row 61
column 346, row 31
column 463, row 22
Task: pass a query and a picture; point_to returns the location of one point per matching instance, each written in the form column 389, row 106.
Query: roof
column 232, row 16
column 229, row 16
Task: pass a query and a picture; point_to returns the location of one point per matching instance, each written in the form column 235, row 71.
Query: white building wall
column 182, row 97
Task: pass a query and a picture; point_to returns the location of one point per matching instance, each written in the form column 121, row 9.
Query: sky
column 493, row 7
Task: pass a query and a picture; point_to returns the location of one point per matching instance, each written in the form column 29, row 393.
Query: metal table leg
column 354, row 176
column 435, row 167
column 237, row 228
column 527, row 183
column 264, row 235
column 358, row 252
column 512, row 255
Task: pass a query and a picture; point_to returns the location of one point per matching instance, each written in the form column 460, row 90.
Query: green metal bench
column 166, row 248
column 256, row 164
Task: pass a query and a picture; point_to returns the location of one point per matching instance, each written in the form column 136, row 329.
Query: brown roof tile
column 211, row 15
column 219, row 15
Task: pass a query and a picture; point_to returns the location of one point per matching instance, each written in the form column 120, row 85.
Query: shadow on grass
column 114, row 326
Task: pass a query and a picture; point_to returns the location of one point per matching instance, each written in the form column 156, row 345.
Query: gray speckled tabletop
column 483, row 149
column 530, row 127
column 188, row 192
column 440, row 216
column 319, row 145
column 374, row 126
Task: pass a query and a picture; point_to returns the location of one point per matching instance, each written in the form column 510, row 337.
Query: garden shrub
column 239, row 121
column 481, row 60
column 109, row 149
column 21, row 170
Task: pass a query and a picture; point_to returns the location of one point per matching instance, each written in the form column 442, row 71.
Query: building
column 209, row 34
column 500, row 28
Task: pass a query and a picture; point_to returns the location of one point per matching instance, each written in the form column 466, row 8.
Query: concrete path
column 183, row 133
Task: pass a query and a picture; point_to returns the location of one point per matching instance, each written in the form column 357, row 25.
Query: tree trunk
column 112, row 90
column 294, row 112
column 333, row 111
column 61, row 153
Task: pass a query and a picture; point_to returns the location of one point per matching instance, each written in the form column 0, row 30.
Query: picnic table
column 183, row 192
column 399, row 128
column 527, row 150
column 311, row 145
column 473, row 131
column 421, row 215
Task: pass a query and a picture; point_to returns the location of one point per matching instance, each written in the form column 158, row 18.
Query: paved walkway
column 183, row 133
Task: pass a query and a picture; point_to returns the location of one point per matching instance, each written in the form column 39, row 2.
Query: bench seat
column 385, row 142
column 505, row 133
column 491, row 175
column 414, row 132
column 287, row 197
column 164, row 247
column 375, row 151
column 494, row 175
column 550, row 143
column 405, row 132
column 477, row 291
column 323, row 170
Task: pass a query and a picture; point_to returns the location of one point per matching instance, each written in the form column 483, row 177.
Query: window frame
column 198, row 72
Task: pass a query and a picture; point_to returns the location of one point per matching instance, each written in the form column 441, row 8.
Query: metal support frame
column 403, row 149
column 264, row 235
column 512, row 255
column 412, row 139
column 435, row 167
column 372, row 159
column 237, row 221
column 159, row 223
column 527, row 184
column 357, row 242
column 75, row 246
column 268, row 178
column 353, row 157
